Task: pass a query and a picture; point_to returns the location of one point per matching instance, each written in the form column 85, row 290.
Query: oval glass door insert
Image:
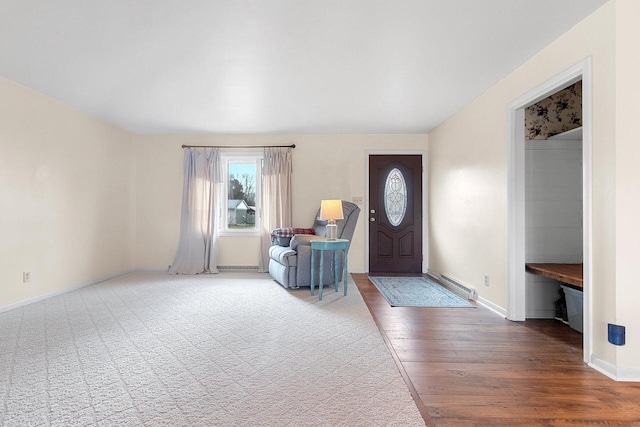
column 395, row 197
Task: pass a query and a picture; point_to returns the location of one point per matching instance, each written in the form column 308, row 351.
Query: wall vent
column 458, row 287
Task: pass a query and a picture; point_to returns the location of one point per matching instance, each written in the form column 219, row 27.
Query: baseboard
column 613, row 372
column 541, row 314
column 152, row 269
column 38, row 298
column 500, row 311
column 433, row 273
column 629, row 374
column 238, row 268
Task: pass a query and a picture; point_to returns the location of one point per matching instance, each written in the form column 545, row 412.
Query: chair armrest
column 302, row 240
column 283, row 255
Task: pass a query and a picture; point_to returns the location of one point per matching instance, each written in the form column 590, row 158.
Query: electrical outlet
column 486, row 280
column 358, row 200
column 26, row 277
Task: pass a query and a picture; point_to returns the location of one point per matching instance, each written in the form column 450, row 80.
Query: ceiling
column 274, row 66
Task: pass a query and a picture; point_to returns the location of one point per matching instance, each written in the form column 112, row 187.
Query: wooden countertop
column 566, row 273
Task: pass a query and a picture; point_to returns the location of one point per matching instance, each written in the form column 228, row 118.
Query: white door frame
column 425, row 223
column 516, row 309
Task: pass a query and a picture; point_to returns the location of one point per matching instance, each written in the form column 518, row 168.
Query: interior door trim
column 516, row 292
column 425, row 212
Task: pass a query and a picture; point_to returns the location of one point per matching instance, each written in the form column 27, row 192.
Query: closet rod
column 239, row 146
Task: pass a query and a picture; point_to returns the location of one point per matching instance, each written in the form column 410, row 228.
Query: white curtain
column 201, row 213
column 275, row 199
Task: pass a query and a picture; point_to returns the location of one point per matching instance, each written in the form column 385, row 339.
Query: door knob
column 372, row 219
column 373, row 211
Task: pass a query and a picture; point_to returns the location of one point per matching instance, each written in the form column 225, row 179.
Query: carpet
column 232, row 349
column 416, row 292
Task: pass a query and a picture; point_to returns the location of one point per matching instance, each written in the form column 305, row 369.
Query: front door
column 395, row 213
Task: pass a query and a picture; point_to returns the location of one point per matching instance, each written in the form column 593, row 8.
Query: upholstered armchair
column 290, row 260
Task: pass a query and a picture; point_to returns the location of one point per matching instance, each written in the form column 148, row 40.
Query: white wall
column 553, row 215
column 553, row 200
column 66, row 211
column 324, row 167
column 468, row 179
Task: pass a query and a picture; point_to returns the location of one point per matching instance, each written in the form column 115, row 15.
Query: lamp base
column 332, row 230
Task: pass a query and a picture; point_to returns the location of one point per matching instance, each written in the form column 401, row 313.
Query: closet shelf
column 566, row 273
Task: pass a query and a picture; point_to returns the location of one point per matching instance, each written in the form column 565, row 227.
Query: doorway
column 395, row 215
column 516, row 235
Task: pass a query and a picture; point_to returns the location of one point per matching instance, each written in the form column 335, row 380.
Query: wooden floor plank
column 470, row 367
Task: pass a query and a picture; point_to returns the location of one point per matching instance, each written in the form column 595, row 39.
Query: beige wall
column 467, row 174
column 324, row 167
column 627, row 178
column 65, row 184
column 82, row 199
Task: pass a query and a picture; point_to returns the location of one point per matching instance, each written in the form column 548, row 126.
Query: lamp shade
column 331, row 209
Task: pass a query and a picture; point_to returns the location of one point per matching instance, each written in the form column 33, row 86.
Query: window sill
column 240, row 233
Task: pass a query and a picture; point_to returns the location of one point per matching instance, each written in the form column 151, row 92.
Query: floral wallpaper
column 558, row 113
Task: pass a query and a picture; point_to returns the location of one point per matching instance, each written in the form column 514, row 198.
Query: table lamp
column 330, row 211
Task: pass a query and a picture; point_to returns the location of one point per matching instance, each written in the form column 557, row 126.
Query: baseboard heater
column 238, row 268
column 457, row 287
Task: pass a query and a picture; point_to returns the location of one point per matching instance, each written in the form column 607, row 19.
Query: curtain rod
column 239, row 146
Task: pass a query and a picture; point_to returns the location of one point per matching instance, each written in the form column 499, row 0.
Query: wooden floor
column 471, row 367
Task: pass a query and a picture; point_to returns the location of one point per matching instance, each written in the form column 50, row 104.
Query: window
column 242, row 189
column 395, row 197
